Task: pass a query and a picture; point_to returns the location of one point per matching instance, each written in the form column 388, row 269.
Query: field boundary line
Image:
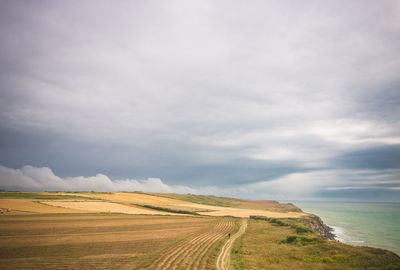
column 222, row 261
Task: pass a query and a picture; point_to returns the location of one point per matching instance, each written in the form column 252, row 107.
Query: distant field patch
column 220, row 211
column 40, row 196
column 93, row 206
column 21, row 206
column 131, row 197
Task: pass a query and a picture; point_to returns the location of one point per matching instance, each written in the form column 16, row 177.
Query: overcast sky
column 263, row 99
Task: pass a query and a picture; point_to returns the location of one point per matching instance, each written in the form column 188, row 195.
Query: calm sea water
column 362, row 224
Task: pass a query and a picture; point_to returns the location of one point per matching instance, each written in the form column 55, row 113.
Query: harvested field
column 145, row 199
column 129, row 203
column 243, row 213
column 94, row 206
column 142, row 199
column 24, row 206
column 130, row 197
column 196, row 251
column 92, row 241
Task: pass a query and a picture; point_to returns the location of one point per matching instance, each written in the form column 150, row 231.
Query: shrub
column 300, row 240
column 300, row 228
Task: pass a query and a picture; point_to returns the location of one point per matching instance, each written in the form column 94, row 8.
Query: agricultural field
column 274, row 245
column 110, row 241
column 138, row 203
column 132, row 230
column 272, row 206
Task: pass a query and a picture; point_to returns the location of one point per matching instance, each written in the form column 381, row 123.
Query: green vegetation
column 268, row 206
column 236, row 261
column 300, row 228
column 167, row 209
column 40, row 196
column 268, row 246
column 300, row 240
column 201, row 199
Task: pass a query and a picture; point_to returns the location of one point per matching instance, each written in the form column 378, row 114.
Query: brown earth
column 196, row 251
column 82, row 241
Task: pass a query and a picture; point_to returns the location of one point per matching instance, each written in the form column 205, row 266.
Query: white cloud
column 289, row 187
column 307, row 185
column 43, row 179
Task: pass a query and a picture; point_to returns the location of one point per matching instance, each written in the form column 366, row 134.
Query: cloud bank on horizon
column 292, row 186
column 261, row 100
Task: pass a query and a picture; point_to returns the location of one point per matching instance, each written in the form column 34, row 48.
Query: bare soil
column 82, row 241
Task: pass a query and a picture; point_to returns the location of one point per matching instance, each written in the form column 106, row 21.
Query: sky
column 258, row 100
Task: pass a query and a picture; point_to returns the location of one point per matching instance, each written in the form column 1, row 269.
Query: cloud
column 215, row 94
column 30, row 178
column 308, row 183
column 292, row 186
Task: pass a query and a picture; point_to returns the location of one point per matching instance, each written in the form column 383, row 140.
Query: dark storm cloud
column 218, row 93
column 383, row 157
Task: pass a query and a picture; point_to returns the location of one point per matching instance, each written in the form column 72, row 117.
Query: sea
column 360, row 224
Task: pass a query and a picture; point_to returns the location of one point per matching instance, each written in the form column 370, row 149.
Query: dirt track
column 223, row 257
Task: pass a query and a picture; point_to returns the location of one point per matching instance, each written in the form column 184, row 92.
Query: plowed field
column 83, row 241
column 196, row 251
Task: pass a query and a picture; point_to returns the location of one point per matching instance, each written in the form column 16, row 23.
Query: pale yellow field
column 236, row 212
column 209, row 210
column 18, row 206
column 123, row 202
column 145, row 199
column 104, row 207
column 126, row 197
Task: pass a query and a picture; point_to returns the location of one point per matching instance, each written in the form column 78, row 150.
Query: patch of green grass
column 236, row 262
column 300, row 240
column 300, row 228
column 40, row 196
column 167, row 209
column 201, row 199
column 325, row 259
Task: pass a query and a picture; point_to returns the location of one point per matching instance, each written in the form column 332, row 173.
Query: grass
column 40, row 196
column 300, row 228
column 236, row 261
column 201, row 199
column 300, row 240
column 268, row 246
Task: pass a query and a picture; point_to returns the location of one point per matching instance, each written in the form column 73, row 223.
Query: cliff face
column 317, row 225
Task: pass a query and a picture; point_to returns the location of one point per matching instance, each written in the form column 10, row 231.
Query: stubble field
column 100, row 241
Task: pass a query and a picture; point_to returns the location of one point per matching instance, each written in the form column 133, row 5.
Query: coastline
column 359, row 224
